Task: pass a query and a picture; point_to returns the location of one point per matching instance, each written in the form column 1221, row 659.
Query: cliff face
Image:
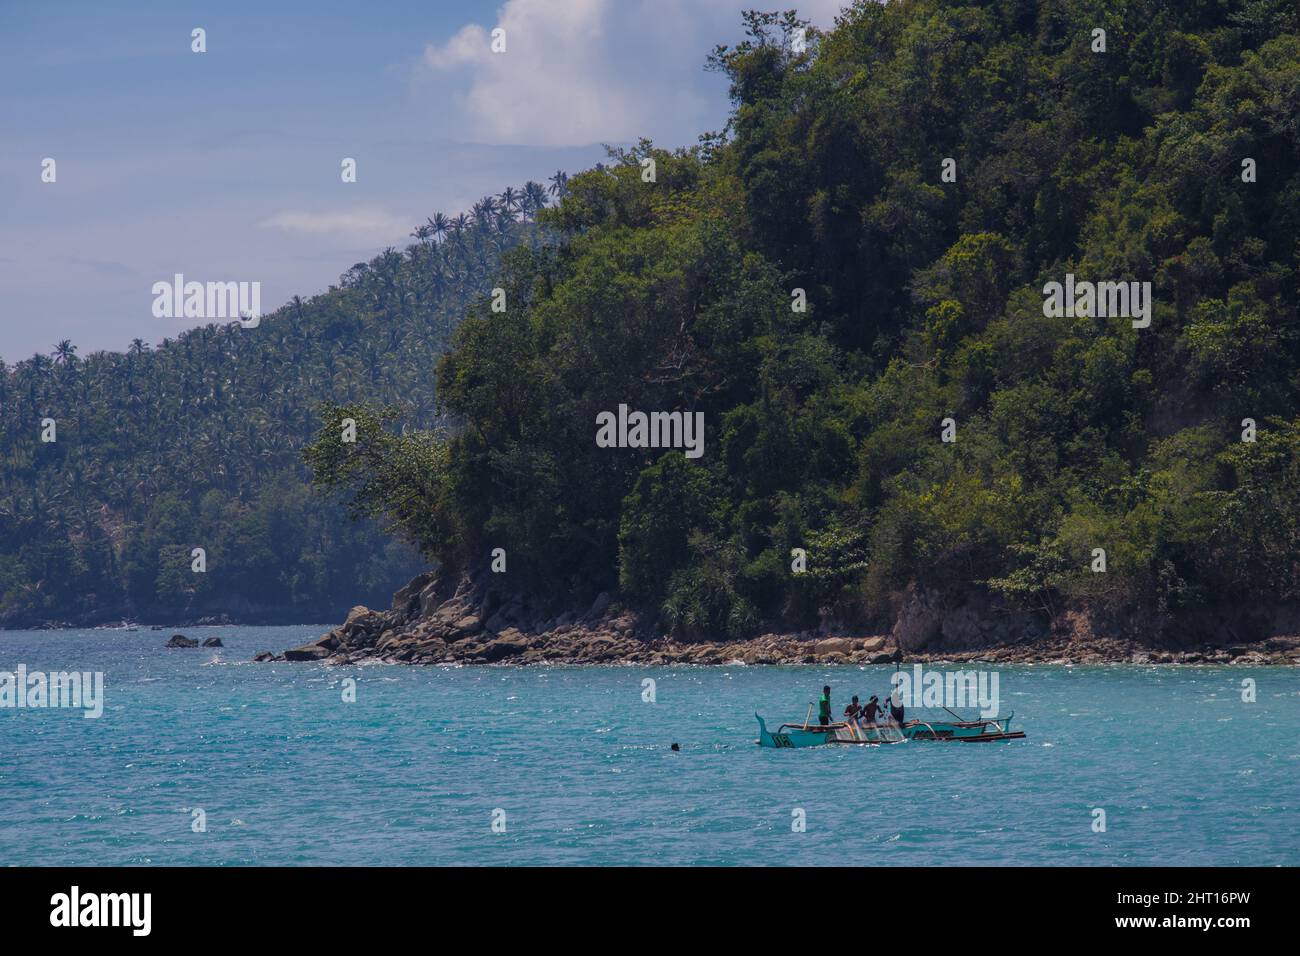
column 446, row 618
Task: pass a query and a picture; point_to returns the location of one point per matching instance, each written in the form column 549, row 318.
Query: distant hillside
column 198, row 443
column 941, row 445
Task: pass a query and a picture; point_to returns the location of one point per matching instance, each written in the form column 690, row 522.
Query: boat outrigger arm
column 860, row 732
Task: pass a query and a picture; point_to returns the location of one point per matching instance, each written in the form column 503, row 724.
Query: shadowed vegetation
column 924, row 302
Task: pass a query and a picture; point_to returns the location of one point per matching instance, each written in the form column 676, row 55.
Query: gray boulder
column 315, row 651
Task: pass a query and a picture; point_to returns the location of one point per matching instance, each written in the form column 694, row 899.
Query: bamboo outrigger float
column 862, row 733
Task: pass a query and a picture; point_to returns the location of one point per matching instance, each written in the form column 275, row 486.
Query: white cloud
column 354, row 225
column 469, row 45
column 586, row 71
column 555, row 83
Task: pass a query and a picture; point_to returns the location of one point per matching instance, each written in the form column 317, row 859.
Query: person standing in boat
column 854, row 709
column 896, row 708
column 871, row 710
column 824, row 706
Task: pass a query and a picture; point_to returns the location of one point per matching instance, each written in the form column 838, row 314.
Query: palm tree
column 559, row 184
column 137, row 347
column 439, row 224
column 65, row 353
column 459, row 225
column 509, row 200
column 484, row 211
column 534, row 199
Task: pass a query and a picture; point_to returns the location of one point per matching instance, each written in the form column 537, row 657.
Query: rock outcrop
column 180, row 640
column 439, row 618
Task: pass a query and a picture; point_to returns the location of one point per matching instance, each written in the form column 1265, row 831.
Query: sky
column 225, row 165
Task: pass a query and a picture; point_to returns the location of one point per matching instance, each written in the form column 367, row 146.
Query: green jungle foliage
column 925, row 302
column 198, row 443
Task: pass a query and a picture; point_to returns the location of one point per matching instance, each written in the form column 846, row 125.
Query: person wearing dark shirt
column 896, row 710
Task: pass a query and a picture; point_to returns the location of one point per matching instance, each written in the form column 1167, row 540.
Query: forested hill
column 197, row 443
column 1099, row 469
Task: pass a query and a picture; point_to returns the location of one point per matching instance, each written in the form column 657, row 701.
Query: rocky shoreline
column 437, row 620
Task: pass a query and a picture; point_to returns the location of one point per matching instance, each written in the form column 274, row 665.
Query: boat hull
column 788, row 738
column 964, row 731
column 794, row 736
column 799, row 736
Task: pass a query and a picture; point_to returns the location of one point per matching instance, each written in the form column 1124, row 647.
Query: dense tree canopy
column 198, row 442
column 925, row 303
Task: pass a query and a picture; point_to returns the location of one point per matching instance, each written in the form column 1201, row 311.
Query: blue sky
column 225, row 165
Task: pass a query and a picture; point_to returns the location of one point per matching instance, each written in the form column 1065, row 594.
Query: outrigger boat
column 858, row 732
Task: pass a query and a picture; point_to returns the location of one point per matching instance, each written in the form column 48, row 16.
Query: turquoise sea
column 413, row 771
